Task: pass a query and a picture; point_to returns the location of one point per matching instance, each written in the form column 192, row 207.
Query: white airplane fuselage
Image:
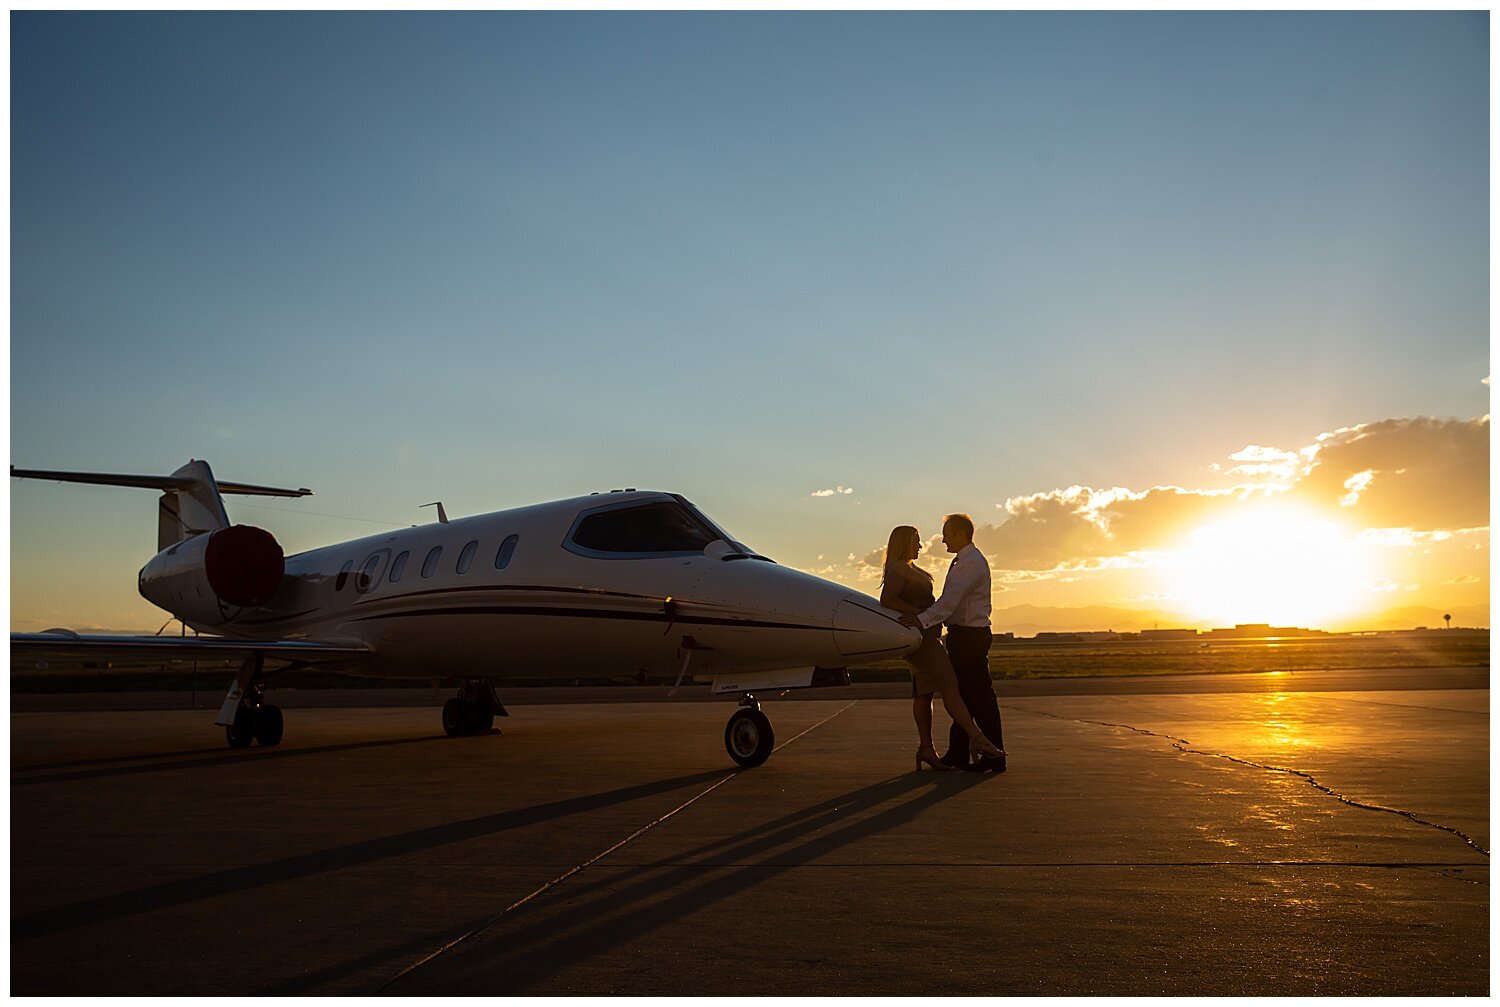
column 607, row 585
column 553, row 590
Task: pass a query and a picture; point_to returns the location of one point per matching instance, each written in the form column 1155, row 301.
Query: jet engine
column 212, row 578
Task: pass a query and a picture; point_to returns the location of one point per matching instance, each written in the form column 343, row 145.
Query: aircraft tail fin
column 191, row 501
column 192, row 509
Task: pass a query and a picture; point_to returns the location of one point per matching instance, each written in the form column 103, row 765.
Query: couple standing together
column 959, row 671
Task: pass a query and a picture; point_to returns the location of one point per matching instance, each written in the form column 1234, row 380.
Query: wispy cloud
column 1257, row 462
column 1401, row 538
column 836, row 491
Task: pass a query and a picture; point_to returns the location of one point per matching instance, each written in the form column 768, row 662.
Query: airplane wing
column 62, row 644
column 171, row 482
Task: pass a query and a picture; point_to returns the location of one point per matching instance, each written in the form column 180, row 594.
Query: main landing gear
column 245, row 715
column 748, row 736
column 262, row 723
column 473, row 710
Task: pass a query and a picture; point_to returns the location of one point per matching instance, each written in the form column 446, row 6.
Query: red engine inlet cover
column 244, row 565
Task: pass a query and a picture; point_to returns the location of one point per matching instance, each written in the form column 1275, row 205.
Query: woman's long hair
column 901, row 548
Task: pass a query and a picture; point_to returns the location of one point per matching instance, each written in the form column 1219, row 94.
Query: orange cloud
column 1079, row 524
column 1420, row 475
column 1424, row 474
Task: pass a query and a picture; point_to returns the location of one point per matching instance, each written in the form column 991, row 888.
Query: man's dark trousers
column 969, row 650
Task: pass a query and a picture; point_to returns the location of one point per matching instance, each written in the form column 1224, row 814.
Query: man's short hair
column 960, row 521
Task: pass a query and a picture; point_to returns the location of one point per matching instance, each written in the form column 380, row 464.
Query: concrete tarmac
column 1260, row 842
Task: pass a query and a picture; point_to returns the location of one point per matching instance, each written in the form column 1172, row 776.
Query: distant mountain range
column 1028, row 620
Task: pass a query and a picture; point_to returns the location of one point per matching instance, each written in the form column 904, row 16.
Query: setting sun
column 1282, row 566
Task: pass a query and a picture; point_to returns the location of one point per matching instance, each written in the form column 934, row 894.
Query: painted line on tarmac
column 1181, row 744
column 843, row 865
column 428, row 959
column 1403, row 706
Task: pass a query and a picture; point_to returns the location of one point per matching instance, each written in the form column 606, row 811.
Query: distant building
column 1168, row 634
column 1262, row 630
column 1091, row 636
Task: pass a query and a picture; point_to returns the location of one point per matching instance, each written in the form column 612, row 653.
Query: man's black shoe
column 958, row 760
column 990, row 764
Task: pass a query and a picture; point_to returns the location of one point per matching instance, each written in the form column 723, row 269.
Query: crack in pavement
column 1468, row 881
column 1181, row 744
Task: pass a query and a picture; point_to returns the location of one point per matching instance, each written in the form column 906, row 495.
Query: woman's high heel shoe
column 927, row 755
column 983, row 746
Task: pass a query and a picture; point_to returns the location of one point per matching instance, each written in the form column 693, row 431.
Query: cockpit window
column 740, row 549
column 664, row 527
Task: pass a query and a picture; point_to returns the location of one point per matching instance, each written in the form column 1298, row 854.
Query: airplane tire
column 482, row 719
column 748, row 738
column 456, row 718
column 269, row 726
column 242, row 731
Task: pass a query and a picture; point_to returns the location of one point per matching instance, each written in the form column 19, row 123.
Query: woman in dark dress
column 908, row 588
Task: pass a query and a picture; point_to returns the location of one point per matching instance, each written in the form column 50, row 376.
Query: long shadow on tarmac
column 219, row 759
column 40, row 767
column 174, row 893
column 611, row 911
column 312, row 983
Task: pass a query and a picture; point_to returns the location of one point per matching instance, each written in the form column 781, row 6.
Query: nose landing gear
column 748, row 736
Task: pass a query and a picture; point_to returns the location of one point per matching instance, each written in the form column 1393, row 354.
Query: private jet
column 614, row 584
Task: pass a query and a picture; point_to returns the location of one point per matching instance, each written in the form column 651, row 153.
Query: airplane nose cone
column 864, row 632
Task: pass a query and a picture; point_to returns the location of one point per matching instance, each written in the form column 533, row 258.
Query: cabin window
column 665, row 527
column 343, row 578
column 507, row 550
column 467, row 556
column 430, row 563
column 398, row 567
column 365, row 579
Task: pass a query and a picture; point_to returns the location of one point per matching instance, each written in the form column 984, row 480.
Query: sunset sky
column 1189, row 311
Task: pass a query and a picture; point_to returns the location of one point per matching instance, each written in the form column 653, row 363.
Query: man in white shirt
column 964, row 607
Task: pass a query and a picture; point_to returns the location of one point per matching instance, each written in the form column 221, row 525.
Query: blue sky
column 947, row 260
